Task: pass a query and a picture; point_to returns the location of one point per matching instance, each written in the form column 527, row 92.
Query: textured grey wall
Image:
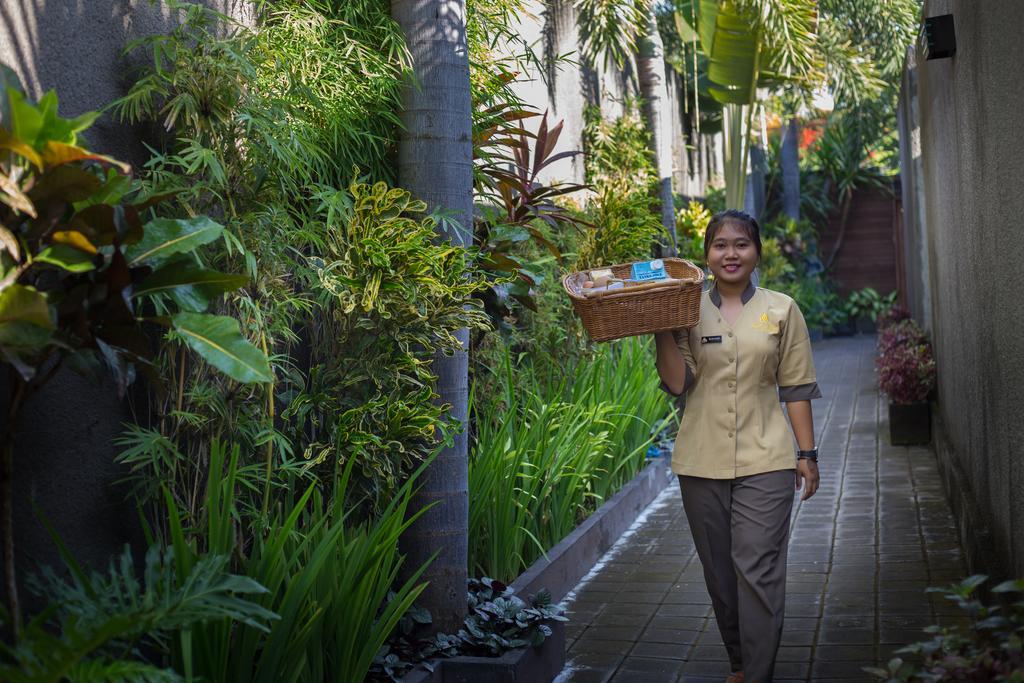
column 971, row 110
column 64, row 462
column 75, row 47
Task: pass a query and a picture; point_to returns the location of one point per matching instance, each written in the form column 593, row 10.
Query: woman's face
column 732, row 256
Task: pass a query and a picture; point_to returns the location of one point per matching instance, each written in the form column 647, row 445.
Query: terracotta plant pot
column 910, row 425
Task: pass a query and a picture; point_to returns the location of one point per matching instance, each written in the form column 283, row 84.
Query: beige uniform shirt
column 733, row 424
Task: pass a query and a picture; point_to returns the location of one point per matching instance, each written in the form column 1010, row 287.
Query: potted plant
column 865, row 306
column 906, row 374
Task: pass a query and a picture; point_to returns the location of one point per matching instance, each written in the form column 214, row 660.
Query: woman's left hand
column 807, row 472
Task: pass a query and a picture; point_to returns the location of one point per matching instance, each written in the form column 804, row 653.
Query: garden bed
column 558, row 572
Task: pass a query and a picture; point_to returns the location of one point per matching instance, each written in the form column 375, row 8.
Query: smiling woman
column 734, row 452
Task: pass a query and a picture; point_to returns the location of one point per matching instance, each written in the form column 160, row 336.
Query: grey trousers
column 741, row 531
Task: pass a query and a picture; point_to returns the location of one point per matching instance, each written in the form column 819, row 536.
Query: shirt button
column 730, row 435
column 731, row 385
column 731, row 359
column 730, row 334
column 731, row 409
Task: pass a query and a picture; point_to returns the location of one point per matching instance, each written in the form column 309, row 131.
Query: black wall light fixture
column 939, row 37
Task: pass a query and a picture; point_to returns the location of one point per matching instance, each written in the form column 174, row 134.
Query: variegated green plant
column 395, row 295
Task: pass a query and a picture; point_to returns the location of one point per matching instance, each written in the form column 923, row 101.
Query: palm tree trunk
column 790, row 161
column 651, row 76
column 435, row 163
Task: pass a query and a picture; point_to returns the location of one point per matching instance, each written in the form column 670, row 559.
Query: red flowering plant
column 906, row 367
column 891, row 317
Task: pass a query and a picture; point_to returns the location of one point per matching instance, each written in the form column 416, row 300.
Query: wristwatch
column 810, row 455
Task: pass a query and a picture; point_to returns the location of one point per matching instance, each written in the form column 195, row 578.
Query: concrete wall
column 64, row 463
column 969, row 209
column 75, row 47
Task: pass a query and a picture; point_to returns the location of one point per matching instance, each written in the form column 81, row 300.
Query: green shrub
column 691, row 224
column 269, row 126
column 396, row 296
column 990, row 647
column 620, row 167
column 83, row 270
column 868, row 303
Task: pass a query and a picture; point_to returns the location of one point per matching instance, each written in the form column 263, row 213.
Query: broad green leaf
column 56, row 128
column 218, row 339
column 26, row 304
column 56, row 153
column 733, row 57
column 25, row 327
column 26, row 120
column 165, row 237
column 684, row 23
column 190, row 286
column 707, row 15
column 20, row 147
column 69, row 183
column 68, row 258
column 8, row 79
column 19, row 335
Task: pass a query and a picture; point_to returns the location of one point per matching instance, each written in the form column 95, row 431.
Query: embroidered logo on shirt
column 717, row 339
column 764, row 325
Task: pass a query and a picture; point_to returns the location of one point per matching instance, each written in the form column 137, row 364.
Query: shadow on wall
column 74, row 46
column 64, row 464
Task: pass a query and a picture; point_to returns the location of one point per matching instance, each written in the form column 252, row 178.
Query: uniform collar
column 746, row 296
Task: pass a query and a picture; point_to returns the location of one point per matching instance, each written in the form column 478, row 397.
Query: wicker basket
column 640, row 309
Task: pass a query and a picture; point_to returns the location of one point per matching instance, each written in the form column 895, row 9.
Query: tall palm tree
column 750, row 44
column 851, row 47
column 650, row 60
column 789, row 160
column 617, row 30
column 435, row 163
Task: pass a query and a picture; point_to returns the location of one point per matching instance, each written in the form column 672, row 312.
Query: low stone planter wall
column 572, row 558
column 559, row 572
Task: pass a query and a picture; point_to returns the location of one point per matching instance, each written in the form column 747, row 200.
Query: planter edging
column 571, row 559
column 566, row 563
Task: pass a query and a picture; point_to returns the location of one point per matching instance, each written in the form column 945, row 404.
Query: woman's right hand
column 807, row 470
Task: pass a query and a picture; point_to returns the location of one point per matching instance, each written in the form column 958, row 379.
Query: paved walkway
column 863, row 549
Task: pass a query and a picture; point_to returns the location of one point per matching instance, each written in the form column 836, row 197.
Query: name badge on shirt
column 717, row 339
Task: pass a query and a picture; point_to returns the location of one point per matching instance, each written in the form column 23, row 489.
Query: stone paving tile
column 862, row 553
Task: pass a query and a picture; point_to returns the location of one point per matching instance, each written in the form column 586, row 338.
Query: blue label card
column 649, row 270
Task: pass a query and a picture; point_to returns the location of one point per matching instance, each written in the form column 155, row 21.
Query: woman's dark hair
column 744, row 220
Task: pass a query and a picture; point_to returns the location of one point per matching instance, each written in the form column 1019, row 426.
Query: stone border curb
column 559, row 572
column 572, row 558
